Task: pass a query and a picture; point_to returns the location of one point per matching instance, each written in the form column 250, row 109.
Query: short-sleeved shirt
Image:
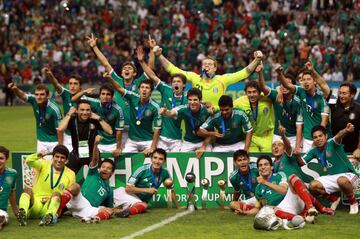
column 47, row 121
column 245, row 184
column 288, row 165
column 119, row 99
column 313, row 108
column 234, row 129
column 171, row 128
column 150, row 118
column 262, row 121
column 333, row 158
column 97, row 191
column 271, row 197
column 144, row 177
column 42, row 185
column 8, row 185
column 289, row 114
column 113, row 116
column 213, row 90
column 184, row 113
column 66, row 99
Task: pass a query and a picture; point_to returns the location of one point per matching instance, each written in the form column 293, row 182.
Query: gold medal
column 325, row 169
column 1, row 189
column 193, row 132
column 138, row 122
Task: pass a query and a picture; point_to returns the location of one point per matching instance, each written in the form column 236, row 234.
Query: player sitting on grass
column 7, row 187
column 340, row 175
column 86, row 202
column 143, row 184
column 53, row 177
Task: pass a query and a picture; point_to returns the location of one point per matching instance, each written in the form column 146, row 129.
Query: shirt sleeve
column 310, row 155
column 116, row 77
column 232, row 78
column 33, row 162
column 119, row 118
column 208, row 124
column 157, row 118
column 190, row 76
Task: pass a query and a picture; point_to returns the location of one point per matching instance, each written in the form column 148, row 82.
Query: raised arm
column 116, row 85
column 283, row 81
column 342, row 133
column 320, row 81
column 80, row 94
column 168, row 113
column 19, row 93
column 152, row 44
column 92, row 43
column 263, row 87
column 65, row 121
column 47, row 71
column 281, row 188
column 149, row 72
column 282, row 132
column 96, row 153
column 258, row 55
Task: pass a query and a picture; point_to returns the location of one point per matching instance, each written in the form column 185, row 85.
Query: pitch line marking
column 157, row 225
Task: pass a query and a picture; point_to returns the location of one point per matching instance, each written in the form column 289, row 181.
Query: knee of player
column 74, row 189
column 28, row 191
column 234, row 205
column 56, row 195
column 314, row 186
column 342, row 181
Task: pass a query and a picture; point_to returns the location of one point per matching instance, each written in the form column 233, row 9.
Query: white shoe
column 335, row 204
column 354, row 208
column 312, row 212
column 310, row 219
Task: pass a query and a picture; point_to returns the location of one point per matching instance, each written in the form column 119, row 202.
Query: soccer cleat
column 90, row 220
column 310, row 219
column 46, row 220
column 2, row 222
column 328, row 211
column 354, row 208
column 86, row 220
column 55, row 219
column 21, row 217
column 335, row 204
column 312, row 212
column 123, row 213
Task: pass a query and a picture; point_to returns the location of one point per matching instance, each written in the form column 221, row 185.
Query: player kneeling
column 143, row 184
column 53, row 177
column 85, row 202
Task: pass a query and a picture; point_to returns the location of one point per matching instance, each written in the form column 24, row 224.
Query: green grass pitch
column 17, row 132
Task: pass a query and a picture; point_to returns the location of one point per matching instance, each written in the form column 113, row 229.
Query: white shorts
column 4, row 213
column 169, row 145
column 106, row 148
column 45, row 146
column 228, row 147
column 79, row 206
column 291, row 203
column 68, row 142
column 307, row 145
column 190, row 147
column 124, row 199
column 250, row 201
column 291, row 139
column 132, row 146
column 330, row 184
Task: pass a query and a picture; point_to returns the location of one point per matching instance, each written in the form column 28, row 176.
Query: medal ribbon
column 155, row 183
column 322, row 158
column 247, row 181
column 254, row 114
column 223, row 125
column 310, row 101
column 192, row 120
column 142, row 111
column 173, row 104
column 203, row 72
column 52, row 177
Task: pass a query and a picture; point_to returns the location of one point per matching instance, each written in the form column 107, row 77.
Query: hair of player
column 211, row 58
column 129, row 63
column 306, row 72
column 61, row 149
column 253, row 84
column 240, row 153
column 318, row 128
column 181, row 76
column 225, row 100
column 352, row 87
column 266, row 157
column 160, row 151
column 291, row 77
column 42, row 87
column 194, row 91
column 107, row 87
column 82, row 101
column 4, row 151
column 147, row 82
column 108, row 161
column 76, row 77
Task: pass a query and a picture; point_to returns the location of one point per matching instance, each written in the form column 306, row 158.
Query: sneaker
column 46, row 220
column 95, row 219
column 123, row 213
column 310, row 219
column 312, row 212
column 2, row 222
column 55, row 219
column 21, row 217
column 90, row 220
column 86, row 220
column 354, row 208
column 296, row 223
column 328, row 211
column 335, row 204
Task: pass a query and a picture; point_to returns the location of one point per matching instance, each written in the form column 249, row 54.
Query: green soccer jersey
column 147, row 115
column 97, row 191
column 265, row 193
column 289, row 166
column 289, row 114
column 66, row 98
column 333, row 158
column 134, row 86
column 144, row 177
column 192, row 122
column 171, row 128
column 234, row 129
column 7, row 185
column 46, row 121
column 313, row 107
column 245, row 184
column 113, row 115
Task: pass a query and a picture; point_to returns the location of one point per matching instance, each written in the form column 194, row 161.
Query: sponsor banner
column 213, row 166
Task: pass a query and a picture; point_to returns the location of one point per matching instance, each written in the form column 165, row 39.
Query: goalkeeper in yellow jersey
column 52, row 178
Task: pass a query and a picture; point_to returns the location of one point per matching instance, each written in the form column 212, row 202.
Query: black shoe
column 2, row 222
column 21, row 217
column 124, row 213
